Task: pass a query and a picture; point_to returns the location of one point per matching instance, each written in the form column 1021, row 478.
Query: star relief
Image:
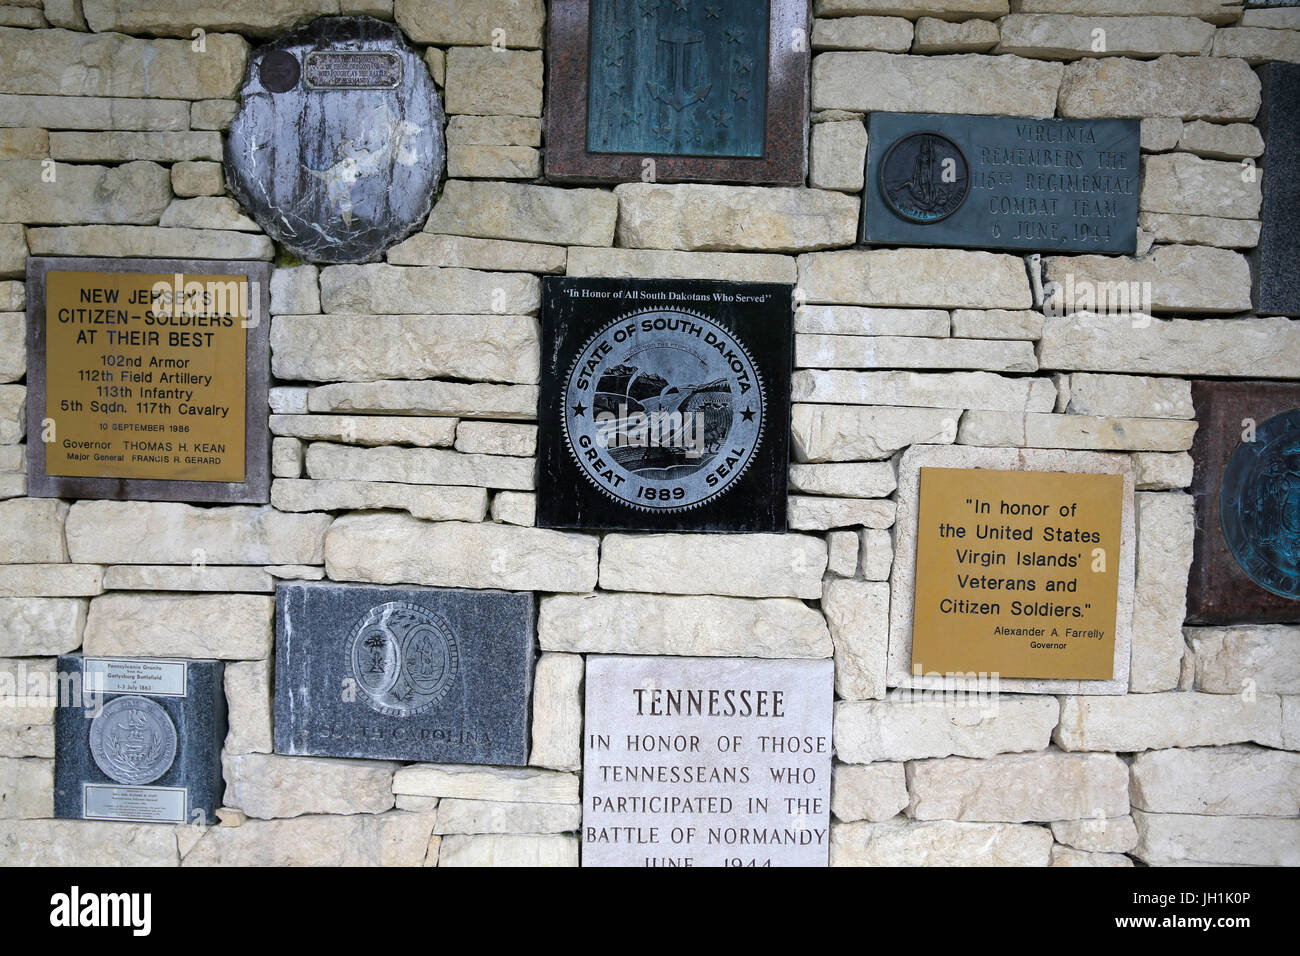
column 736, row 35
column 747, row 414
column 721, row 118
column 681, row 6
column 649, row 8
column 742, row 64
column 712, row 13
column 739, row 93
column 579, row 410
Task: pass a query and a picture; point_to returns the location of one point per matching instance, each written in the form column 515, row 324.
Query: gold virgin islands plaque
column 1017, row 573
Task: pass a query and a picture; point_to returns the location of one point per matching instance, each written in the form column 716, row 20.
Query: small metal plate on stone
column 666, row 404
column 1002, row 182
column 114, row 675
column 1246, row 485
column 337, row 70
column 706, row 762
column 342, row 165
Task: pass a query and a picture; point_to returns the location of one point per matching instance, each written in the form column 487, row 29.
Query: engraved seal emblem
column 132, row 740
column 1259, row 505
column 403, row 657
column 924, row 177
column 664, row 410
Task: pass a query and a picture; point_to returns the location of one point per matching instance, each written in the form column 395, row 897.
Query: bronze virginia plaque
column 1017, row 573
column 1246, row 484
column 141, row 375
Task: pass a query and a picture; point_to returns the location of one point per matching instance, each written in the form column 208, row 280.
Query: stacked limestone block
column 404, row 405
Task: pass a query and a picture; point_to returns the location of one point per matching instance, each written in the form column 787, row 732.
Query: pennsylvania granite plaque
column 664, row 405
column 139, row 740
column 1002, row 182
column 705, row 90
column 706, row 762
column 427, row 674
column 147, row 378
column 1273, row 262
column 337, row 148
column 1246, row 484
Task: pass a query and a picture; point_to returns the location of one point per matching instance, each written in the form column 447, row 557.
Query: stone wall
column 404, row 395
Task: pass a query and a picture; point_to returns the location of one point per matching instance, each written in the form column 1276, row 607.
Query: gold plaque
column 145, row 375
column 1017, row 573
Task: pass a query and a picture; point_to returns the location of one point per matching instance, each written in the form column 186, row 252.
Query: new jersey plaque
column 1246, row 484
column 683, row 90
column 147, row 379
column 664, row 405
column 403, row 673
column 706, row 762
column 139, row 740
column 1002, row 182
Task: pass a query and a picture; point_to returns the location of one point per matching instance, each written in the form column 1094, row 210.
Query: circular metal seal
column 133, row 740
column 924, row 177
column 663, row 410
column 278, row 71
column 1259, row 505
column 404, row 658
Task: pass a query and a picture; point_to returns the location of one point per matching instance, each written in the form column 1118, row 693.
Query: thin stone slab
column 337, row 147
column 422, row 674
column 139, row 740
column 754, row 739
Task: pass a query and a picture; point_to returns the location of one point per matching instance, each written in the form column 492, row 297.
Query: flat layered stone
column 24, row 143
column 1176, row 838
column 915, row 278
column 120, row 146
column 984, row 390
column 838, row 151
column 939, row 843
column 379, row 289
column 1097, row 834
column 891, row 34
column 497, row 784
column 942, row 36
column 155, row 532
column 368, row 348
column 858, row 320
column 857, row 613
column 1190, row 87
column 222, row 626
column 494, row 131
column 867, row 731
column 1187, row 185
column 13, row 418
column 489, row 816
column 487, row 81
column 51, row 580
column 546, row 214
column 515, row 507
column 1201, row 230
column 160, row 18
column 398, row 549
column 557, row 717
column 509, row 849
column 1257, row 45
column 207, row 212
column 31, row 531
column 737, row 565
column 687, row 626
column 1160, row 134
column 1136, row 722
column 1175, row 278
column 1065, row 856
column 295, row 290
column 1154, row 471
column 816, row 513
column 1218, row 781
column 496, row 438
column 1012, row 324
column 248, row 707
column 1059, row 37
column 842, row 554
column 875, row 553
column 41, row 626
column 86, row 843
column 131, row 193
column 69, row 63
column 1213, row 11
column 1219, row 141
column 873, row 792
column 418, row 466
column 867, row 479
column 185, row 577
column 1233, row 660
column 702, row 217
column 431, row 502
column 198, row 179
column 368, row 429
column 465, row 252
column 962, row 83
column 1046, row 430
column 1245, row 348
column 1129, row 396
column 1166, row 527
column 947, row 9
column 148, row 242
column 669, row 264
column 395, row 838
column 861, row 351
column 94, row 112
column 866, row 432
column 448, row 23
column 451, row 399
column 266, row 786
column 1017, row 788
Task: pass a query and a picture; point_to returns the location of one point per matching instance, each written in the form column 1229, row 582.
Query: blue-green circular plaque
column 1259, row 505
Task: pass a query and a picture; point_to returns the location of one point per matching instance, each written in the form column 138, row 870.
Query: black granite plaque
column 677, row 90
column 665, row 404
column 427, row 674
column 1273, row 262
column 139, row 740
column 1002, row 182
column 337, row 147
column 1246, row 484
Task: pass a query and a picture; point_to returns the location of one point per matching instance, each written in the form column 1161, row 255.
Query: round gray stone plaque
column 133, row 740
column 337, row 147
column 403, row 658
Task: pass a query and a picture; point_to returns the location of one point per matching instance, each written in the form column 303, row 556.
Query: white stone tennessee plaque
column 706, row 762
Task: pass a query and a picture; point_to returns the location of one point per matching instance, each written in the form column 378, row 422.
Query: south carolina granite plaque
column 706, row 762
column 139, row 740
column 664, row 404
column 427, row 674
column 337, row 147
column 1002, row 182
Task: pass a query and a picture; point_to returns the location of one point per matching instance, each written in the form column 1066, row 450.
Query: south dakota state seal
column 663, row 410
column 133, row 740
column 403, row 658
column 1259, row 505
